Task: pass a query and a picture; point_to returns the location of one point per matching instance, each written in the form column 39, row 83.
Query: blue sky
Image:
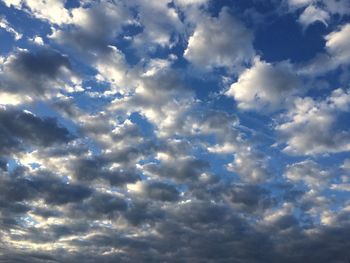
column 175, row 131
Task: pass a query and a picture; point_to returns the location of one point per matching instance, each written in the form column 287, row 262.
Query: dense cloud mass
column 175, row 131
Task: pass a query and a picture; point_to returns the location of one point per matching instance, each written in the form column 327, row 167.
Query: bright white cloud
column 219, row 42
column 299, row 3
column 50, row 10
column 338, row 45
column 160, row 24
column 190, row 2
column 311, row 126
column 264, row 85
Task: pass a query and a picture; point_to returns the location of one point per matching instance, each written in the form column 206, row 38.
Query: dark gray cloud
column 44, row 186
column 35, row 74
column 161, row 191
column 20, row 129
column 96, row 169
column 187, row 169
column 98, row 206
column 250, row 198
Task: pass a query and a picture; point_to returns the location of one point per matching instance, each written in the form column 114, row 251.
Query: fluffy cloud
column 145, row 160
column 160, row 24
column 219, row 42
column 338, row 45
column 308, row 172
column 51, row 10
column 264, row 86
column 337, row 53
column 311, row 126
column 26, row 76
column 21, row 129
column 92, row 28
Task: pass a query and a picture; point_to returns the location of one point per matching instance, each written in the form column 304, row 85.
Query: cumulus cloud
column 155, row 190
column 264, row 86
column 26, row 76
column 52, row 10
column 308, row 172
column 160, row 24
column 21, row 129
column 336, row 53
column 93, row 27
column 338, row 44
column 219, row 42
column 310, row 127
column 113, row 148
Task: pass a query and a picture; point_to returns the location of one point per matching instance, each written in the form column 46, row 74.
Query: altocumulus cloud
column 174, row 131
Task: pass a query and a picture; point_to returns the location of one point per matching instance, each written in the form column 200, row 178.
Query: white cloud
column 92, row 29
column 313, row 14
column 113, row 69
column 16, row 3
column 338, row 45
column 38, row 40
column 159, row 22
column 249, row 166
column 264, row 85
column 311, row 126
column 219, row 42
column 50, row 10
column 6, row 25
column 186, row 3
column 308, row 172
column 299, row 3
column 161, row 98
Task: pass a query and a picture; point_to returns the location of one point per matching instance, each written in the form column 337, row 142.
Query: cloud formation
column 174, row 131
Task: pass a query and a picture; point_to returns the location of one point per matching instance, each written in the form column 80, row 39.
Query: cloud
column 299, row 3
column 160, row 22
column 309, row 118
column 191, row 2
column 52, row 10
column 249, row 166
column 313, row 14
column 231, row 47
column 337, row 53
column 26, row 76
column 21, row 129
column 158, row 191
column 338, row 45
column 309, row 173
column 146, row 160
column 92, row 28
column 6, row 25
column 249, row 198
column 166, row 111
column 184, row 169
column 264, row 86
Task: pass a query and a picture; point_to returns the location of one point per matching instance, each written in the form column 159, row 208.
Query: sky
column 202, row 131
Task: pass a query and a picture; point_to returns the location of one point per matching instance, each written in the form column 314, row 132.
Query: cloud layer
column 171, row 131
